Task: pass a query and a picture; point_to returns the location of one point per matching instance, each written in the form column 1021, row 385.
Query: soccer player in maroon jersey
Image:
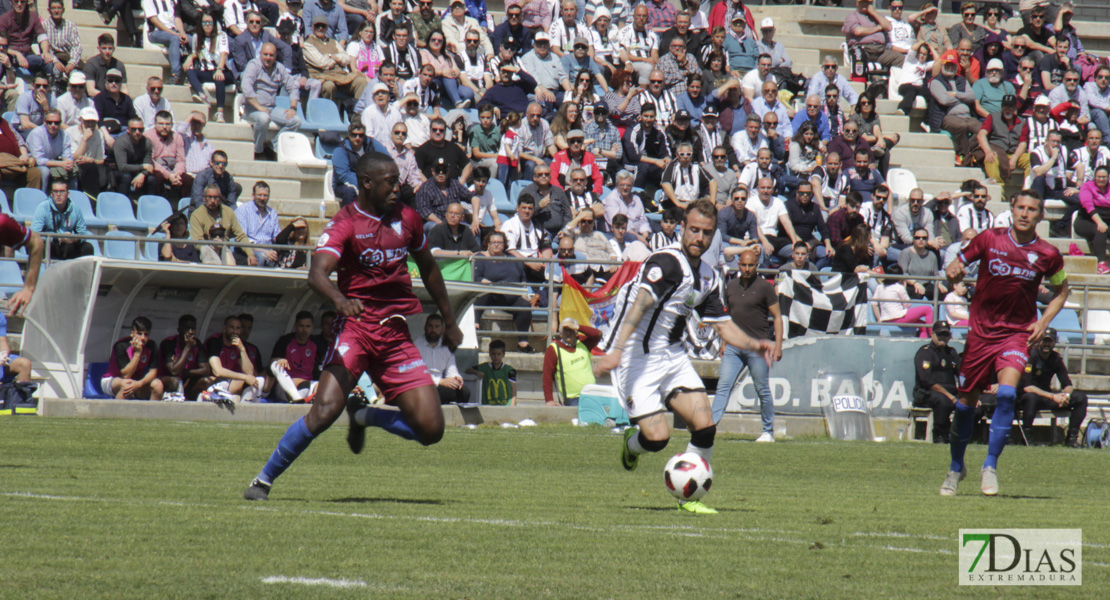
column 13, row 235
column 1003, row 326
column 368, row 243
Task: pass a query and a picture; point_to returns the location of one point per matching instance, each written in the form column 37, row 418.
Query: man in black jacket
column 1037, row 394
column 936, row 365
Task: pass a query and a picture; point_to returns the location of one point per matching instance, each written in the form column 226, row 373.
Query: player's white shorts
column 645, row 381
column 106, row 386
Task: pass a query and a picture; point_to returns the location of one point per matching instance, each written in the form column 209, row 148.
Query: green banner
column 454, row 269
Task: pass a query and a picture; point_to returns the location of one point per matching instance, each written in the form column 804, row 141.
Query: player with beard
column 368, row 243
column 651, row 371
column 1003, row 326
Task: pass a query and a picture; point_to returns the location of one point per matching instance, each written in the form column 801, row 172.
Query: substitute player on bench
column 651, row 369
column 1004, row 324
column 368, row 242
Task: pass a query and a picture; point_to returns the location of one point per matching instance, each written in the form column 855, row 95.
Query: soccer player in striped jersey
column 651, row 371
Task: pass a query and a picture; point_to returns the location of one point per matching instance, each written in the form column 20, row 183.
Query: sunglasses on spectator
column 833, row 67
column 155, row 88
column 472, row 41
column 1038, row 17
column 41, row 86
column 1071, row 79
column 833, row 96
column 115, row 80
column 685, row 154
column 739, row 198
column 719, row 157
column 438, row 129
column 542, row 174
column 659, row 81
column 254, row 22
column 575, row 141
column 357, row 135
column 401, row 133
column 58, row 122
column 808, row 194
column 514, row 15
column 920, row 237
column 994, row 13
column 578, row 179
column 220, row 163
column 139, row 129
column 980, row 196
column 770, row 123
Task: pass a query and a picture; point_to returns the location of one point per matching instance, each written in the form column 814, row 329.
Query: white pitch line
column 337, row 583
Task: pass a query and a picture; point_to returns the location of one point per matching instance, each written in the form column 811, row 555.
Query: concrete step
column 238, row 166
column 304, row 207
column 1079, row 264
column 1092, row 383
column 1062, row 244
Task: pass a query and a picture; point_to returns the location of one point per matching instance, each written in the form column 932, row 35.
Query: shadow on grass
column 672, row 508
column 1020, row 497
column 389, row 500
column 15, row 466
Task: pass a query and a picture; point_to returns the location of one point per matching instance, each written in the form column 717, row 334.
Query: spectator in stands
column 685, row 181
column 292, row 15
column 830, row 184
column 594, row 246
column 950, row 108
column 833, row 111
column 799, row 259
column 626, row 245
column 954, row 249
column 999, row 148
column 956, row 306
column 771, row 215
column 580, row 197
column 62, row 216
column 815, row 116
column 909, row 216
column 71, row 102
column 975, row 214
column 991, row 90
column 87, row 146
column 1089, row 156
column 1048, row 166
column 168, row 155
column 164, row 27
column 51, row 150
column 1052, row 67
column 718, row 169
column 16, row 163
column 538, row 141
column 808, row 224
column 639, row 45
column 438, row 192
column 378, row 116
column 739, row 227
column 862, row 177
column 504, row 272
column 65, row 41
column 417, row 122
column 1092, row 221
column 498, row 378
column 849, row 144
column 1098, row 99
column 33, row 103
column 566, row 28
column 177, row 228
column 867, row 29
column 134, row 175
column 1038, row 31
column 24, row 29
column 1037, row 395
column 293, row 234
column 296, row 360
column 935, row 367
column 763, row 166
column 332, row 13
column 96, row 68
column 207, row 63
column 917, row 67
column 750, row 140
column 575, row 157
column 992, row 49
column 646, row 149
column 247, row 45
column 552, row 80
column 842, row 222
column 665, row 102
column 769, row 103
column 871, row 131
column 1071, row 92
column 185, row 364
column 115, row 108
column 344, row 181
column 966, row 29
column 364, row 51
column 929, row 32
column 437, row 150
column 198, row 148
column 623, row 201
column 216, row 173
column 677, row 65
column 567, row 367
column 411, row 177
column 402, row 53
column 525, row 240
column 891, row 303
column 133, row 365
column 967, row 66
column 329, row 63
column 260, row 224
column 827, row 76
column 512, row 32
column 452, row 239
column 805, row 154
column 744, row 55
column 216, row 213
column 920, row 261
column 231, row 365
column 262, row 80
column 751, row 301
column 511, row 91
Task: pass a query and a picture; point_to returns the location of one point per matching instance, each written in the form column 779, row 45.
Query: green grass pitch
column 153, row 509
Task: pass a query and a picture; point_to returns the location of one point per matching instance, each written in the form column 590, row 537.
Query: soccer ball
column 688, row 476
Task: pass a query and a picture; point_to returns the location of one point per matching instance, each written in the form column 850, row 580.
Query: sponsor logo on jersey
column 1001, row 269
column 1016, row 353
column 372, row 257
column 411, row 365
column 343, row 348
column 363, row 236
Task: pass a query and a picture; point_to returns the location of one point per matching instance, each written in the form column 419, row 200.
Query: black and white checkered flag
column 814, row 305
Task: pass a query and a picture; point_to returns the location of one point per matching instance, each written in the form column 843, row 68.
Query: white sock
column 285, row 381
column 634, row 446
column 706, row 453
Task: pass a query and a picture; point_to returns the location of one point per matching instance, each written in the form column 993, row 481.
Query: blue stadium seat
column 116, row 209
column 183, row 204
column 324, row 149
column 514, row 191
column 323, row 115
column 150, row 249
column 122, row 248
column 4, row 206
column 11, row 280
column 11, row 117
column 153, row 210
column 93, row 375
column 25, row 203
column 81, row 201
column 500, row 197
column 1066, row 323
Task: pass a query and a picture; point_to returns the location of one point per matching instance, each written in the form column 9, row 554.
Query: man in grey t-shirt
column 921, row 261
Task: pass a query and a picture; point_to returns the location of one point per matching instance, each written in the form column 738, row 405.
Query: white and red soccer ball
column 688, row 476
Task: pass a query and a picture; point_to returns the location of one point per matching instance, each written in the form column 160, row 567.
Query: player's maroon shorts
column 385, row 352
column 984, row 357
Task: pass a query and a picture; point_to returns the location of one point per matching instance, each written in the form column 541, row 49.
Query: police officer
column 1037, row 394
column 936, row 365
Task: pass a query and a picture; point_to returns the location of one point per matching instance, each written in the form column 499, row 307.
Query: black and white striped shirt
column 407, row 60
column 679, row 291
column 1038, row 132
column 972, row 218
column 660, row 240
column 666, row 105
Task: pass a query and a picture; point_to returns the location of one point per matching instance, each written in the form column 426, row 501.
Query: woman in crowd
column 854, row 254
column 294, row 234
column 891, row 304
column 716, row 71
column 967, row 28
column 915, row 71
column 623, row 99
column 208, row 63
column 177, row 228
column 1094, row 219
column 583, row 94
column 459, row 89
column 956, row 305
column 805, row 148
column 871, row 130
column 365, row 50
column 566, row 120
column 490, row 272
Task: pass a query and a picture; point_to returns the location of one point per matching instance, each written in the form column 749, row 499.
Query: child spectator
column 626, row 245
column 955, row 305
column 133, row 366
column 508, row 153
column 498, row 378
column 668, row 224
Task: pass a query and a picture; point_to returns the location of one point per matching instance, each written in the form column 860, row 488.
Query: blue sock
column 1001, row 423
column 295, row 440
column 390, row 420
column 963, row 423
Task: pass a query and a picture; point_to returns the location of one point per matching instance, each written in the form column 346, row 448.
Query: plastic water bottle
column 323, row 208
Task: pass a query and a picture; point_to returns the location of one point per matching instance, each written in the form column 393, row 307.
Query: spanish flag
column 577, row 301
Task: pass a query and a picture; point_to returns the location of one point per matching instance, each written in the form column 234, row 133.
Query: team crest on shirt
column 1032, row 256
column 1028, row 368
column 396, row 225
column 925, row 365
column 323, row 241
column 654, row 274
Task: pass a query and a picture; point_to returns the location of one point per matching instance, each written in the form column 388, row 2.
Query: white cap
column 541, row 37
column 88, row 114
column 601, row 11
column 768, row 22
column 995, row 64
column 378, row 87
column 1042, row 100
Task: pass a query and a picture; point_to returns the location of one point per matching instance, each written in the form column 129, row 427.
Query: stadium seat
column 153, row 210
column 4, row 206
column 901, row 182
column 514, row 191
column 11, row 280
column 81, row 201
column 11, row 117
column 25, row 203
column 295, row 148
column 183, row 204
column 123, row 249
column 329, row 193
column 323, row 115
column 210, row 89
column 497, row 190
column 325, row 149
column 93, row 375
column 1067, row 325
column 116, row 209
column 150, row 249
